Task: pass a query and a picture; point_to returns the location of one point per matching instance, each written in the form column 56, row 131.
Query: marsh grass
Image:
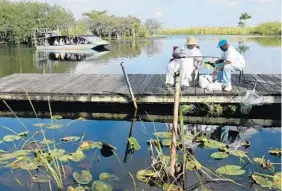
column 264, row 29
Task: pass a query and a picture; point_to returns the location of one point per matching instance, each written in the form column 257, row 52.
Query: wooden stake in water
column 175, row 124
column 129, row 86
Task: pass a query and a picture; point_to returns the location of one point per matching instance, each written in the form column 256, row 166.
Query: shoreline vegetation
column 15, row 29
column 264, row 29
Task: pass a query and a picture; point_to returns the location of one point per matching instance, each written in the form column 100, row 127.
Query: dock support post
column 175, row 124
column 129, row 86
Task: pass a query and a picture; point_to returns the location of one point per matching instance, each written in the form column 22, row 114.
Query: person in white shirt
column 186, row 60
column 231, row 61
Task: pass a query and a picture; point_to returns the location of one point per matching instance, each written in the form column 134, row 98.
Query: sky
column 183, row 13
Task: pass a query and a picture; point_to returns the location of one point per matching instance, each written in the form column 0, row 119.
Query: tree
column 153, row 25
column 243, row 19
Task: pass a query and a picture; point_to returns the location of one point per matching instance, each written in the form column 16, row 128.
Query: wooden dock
column 108, row 88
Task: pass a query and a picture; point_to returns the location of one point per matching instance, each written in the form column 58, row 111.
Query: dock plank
column 112, row 88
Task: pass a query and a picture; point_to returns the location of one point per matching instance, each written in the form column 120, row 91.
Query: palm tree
column 243, row 19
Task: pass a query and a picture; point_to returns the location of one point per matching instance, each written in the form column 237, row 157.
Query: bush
column 268, row 28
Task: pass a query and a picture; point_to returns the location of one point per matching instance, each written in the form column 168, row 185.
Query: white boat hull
column 68, row 47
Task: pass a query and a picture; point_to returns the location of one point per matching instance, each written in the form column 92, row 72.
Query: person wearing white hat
column 186, row 60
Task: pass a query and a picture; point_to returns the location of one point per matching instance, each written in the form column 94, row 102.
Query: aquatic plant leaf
column 99, row 185
column 193, row 165
column 219, row 155
column 239, row 153
column 15, row 154
column 232, row 170
column 263, row 182
column 108, row 146
column 107, row 176
column 276, row 152
column 246, row 144
column 213, row 144
column 277, row 181
column 171, row 187
column 81, row 119
column 166, row 135
column 40, row 179
column 77, row 156
column 56, row 117
column 11, row 138
column 23, row 134
column 54, row 126
column 83, row 178
column 70, row 138
column 146, row 175
column 46, row 142
column 64, row 158
column 57, row 152
column 1, row 141
column 85, row 145
column 79, row 188
column 40, row 125
column 134, row 143
column 166, row 142
column 25, row 165
column 96, row 145
column 259, row 160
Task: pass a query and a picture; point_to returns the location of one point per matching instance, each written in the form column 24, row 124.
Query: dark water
column 150, row 56
column 117, row 132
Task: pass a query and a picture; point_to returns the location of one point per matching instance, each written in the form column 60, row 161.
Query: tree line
column 17, row 20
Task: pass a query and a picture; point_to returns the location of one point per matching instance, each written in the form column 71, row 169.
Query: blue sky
column 183, row 13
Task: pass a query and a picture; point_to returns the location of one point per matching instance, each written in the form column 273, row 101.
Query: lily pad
column 56, row 117
column 101, row 186
column 77, row 156
column 81, row 119
column 166, row 135
column 213, row 144
column 85, row 145
column 40, row 179
column 240, row 154
column 11, row 138
column 70, row 139
column 219, row 155
column 259, row 160
column 64, row 158
column 167, row 142
column 84, row 178
column 107, row 176
column 134, row 143
column 1, row 141
column 232, row 170
column 193, row 165
column 54, row 126
column 108, row 146
column 96, row 145
column 15, row 154
column 57, row 152
column 23, row 134
column 277, row 180
column 276, row 152
column 46, row 142
column 25, row 165
column 171, row 187
column 40, row 125
column 263, row 182
column 79, row 188
column 146, row 175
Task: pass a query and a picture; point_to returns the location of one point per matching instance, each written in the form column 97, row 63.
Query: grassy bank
column 265, row 29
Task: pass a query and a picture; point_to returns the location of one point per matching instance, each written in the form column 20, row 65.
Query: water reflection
column 141, row 56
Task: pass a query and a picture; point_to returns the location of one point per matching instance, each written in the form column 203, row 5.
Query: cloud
column 261, row 1
column 158, row 14
column 227, row 3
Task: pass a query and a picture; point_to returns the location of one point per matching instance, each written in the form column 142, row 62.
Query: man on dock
column 186, row 60
column 231, row 61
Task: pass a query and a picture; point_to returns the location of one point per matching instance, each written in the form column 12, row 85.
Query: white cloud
column 228, row 3
column 158, row 14
column 261, row 1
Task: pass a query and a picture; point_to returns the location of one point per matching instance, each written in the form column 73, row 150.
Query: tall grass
column 264, row 29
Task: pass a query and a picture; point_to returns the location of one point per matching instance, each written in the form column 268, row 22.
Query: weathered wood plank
column 269, row 82
column 259, row 87
column 151, row 86
column 236, row 81
column 262, row 84
column 144, row 84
